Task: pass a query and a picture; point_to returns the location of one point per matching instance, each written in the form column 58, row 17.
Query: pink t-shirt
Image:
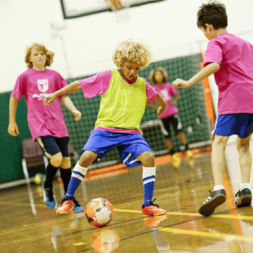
column 167, row 91
column 97, row 85
column 235, row 76
column 35, row 85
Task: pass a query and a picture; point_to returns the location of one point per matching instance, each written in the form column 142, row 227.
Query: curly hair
column 131, row 50
column 213, row 13
column 41, row 47
column 152, row 74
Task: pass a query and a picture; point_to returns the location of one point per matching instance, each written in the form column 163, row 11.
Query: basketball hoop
column 114, row 4
column 120, row 8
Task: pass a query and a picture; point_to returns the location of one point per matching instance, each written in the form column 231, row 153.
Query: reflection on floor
column 27, row 225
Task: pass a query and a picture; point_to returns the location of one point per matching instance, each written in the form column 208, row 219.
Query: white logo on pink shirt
column 40, row 96
column 165, row 95
column 43, row 85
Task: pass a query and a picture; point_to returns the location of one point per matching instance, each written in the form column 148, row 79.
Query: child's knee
column 148, row 159
column 87, row 158
column 220, row 141
column 242, row 144
column 56, row 159
column 66, row 164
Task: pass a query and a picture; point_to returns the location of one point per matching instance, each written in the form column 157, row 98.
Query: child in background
column 159, row 78
column 230, row 58
column 47, row 124
column 123, row 100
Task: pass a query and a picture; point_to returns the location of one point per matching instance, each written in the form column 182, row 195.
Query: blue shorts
column 129, row 146
column 240, row 124
column 53, row 145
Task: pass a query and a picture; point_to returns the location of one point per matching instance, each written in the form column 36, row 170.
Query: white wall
column 169, row 27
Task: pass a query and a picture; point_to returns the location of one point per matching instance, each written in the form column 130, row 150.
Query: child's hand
column 49, row 99
column 77, row 115
column 179, row 83
column 161, row 110
column 13, row 129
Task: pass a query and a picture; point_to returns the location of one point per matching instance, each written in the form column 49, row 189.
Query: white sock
column 218, row 187
column 78, row 169
column 148, row 171
column 244, row 185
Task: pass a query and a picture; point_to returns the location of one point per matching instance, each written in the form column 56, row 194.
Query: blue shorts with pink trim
column 240, row 124
column 129, row 146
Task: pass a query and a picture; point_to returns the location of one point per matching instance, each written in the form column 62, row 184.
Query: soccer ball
column 98, row 212
column 104, row 240
column 38, row 178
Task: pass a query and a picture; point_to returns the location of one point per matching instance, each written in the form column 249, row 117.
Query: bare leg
column 245, row 159
column 168, row 143
column 218, row 158
column 182, row 138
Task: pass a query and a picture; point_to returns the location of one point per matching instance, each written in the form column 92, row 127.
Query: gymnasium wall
column 10, row 146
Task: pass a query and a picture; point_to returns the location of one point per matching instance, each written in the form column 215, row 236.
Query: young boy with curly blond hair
column 47, row 124
column 230, row 58
column 123, row 100
column 158, row 77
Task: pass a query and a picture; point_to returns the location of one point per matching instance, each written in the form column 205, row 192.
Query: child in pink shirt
column 47, row 124
column 230, row 59
column 159, row 78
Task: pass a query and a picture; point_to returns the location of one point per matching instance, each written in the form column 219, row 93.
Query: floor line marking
column 191, row 214
column 21, row 204
column 207, row 234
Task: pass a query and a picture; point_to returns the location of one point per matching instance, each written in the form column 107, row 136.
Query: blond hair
column 131, row 50
column 152, row 75
column 38, row 46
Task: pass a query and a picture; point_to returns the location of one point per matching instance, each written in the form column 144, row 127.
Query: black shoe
column 215, row 199
column 243, row 198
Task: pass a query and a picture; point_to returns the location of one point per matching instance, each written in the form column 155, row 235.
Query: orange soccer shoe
column 65, row 205
column 152, row 209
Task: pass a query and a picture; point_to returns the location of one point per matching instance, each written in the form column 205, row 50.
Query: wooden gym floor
column 27, row 225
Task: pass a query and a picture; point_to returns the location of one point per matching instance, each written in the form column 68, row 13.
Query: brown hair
column 38, row 46
column 213, row 13
column 152, row 74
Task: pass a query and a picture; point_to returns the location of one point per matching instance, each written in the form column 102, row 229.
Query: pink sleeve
column 20, row 87
column 60, row 83
column 172, row 90
column 96, row 85
column 213, row 52
column 150, row 92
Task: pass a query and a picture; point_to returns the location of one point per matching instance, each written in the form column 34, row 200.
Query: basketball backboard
column 79, row 8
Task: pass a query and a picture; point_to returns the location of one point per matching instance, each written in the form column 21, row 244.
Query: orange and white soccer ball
column 104, row 240
column 99, row 212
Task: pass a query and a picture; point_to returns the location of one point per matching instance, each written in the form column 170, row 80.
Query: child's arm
column 75, row 86
column 174, row 101
column 161, row 103
column 205, row 72
column 152, row 106
column 13, row 128
column 69, row 105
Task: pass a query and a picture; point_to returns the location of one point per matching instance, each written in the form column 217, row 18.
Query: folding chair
column 32, row 157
